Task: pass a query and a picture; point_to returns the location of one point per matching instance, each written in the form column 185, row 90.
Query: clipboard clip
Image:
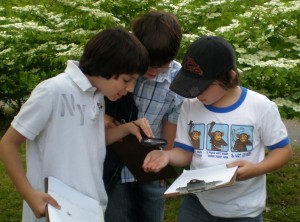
column 195, row 186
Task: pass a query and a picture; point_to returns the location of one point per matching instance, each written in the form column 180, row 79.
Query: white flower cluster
column 287, row 103
column 235, row 24
column 59, row 28
column 255, row 60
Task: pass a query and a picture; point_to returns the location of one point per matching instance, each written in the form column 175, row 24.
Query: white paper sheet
column 214, row 173
column 75, row 206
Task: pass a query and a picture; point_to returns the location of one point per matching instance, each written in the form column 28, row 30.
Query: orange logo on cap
column 190, row 65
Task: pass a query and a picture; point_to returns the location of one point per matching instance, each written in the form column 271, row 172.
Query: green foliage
column 10, row 201
column 36, row 41
column 126, row 10
column 283, row 187
column 37, row 37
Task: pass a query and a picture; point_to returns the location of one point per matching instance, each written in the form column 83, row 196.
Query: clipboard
column 201, row 180
column 133, row 153
column 75, row 206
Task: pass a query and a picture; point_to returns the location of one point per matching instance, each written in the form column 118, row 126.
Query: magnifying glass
column 146, row 141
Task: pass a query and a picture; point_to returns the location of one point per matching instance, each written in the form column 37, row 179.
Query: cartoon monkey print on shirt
column 241, row 138
column 216, row 140
column 242, row 142
column 194, row 135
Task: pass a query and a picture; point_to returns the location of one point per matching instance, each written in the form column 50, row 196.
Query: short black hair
column 112, row 52
column 161, row 34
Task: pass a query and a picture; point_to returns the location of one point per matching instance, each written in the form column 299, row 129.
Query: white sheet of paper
column 214, row 173
column 75, row 206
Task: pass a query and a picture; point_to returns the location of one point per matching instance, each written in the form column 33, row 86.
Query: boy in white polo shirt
column 63, row 122
column 223, row 122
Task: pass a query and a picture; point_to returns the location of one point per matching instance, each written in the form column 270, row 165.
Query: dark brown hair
column 161, row 34
column 227, row 81
column 112, row 52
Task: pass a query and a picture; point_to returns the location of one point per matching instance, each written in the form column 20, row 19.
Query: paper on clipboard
column 214, row 173
column 75, row 206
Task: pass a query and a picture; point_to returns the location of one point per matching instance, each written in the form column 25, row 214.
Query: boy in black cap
column 233, row 126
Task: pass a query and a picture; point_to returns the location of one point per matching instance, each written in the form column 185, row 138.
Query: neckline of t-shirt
column 231, row 107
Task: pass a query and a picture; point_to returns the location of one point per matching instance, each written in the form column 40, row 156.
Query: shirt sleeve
column 174, row 109
column 182, row 139
column 35, row 112
column 173, row 112
column 273, row 131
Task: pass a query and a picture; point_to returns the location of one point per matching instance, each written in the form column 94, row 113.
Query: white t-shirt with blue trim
column 224, row 135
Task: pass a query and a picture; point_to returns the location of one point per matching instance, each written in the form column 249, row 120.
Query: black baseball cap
column 206, row 59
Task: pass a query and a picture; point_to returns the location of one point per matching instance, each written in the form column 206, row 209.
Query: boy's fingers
column 53, row 202
column 230, row 165
column 239, row 163
column 145, row 163
column 162, row 183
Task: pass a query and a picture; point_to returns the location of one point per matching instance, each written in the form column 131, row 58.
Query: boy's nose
column 130, row 86
column 151, row 71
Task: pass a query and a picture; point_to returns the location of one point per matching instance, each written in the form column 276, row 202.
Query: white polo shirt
column 63, row 121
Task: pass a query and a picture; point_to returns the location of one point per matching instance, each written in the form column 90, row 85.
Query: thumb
column 53, row 202
column 146, row 160
column 239, row 163
column 233, row 164
column 139, row 137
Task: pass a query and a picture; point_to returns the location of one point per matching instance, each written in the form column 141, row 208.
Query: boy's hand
column 275, row 159
column 38, row 202
column 141, row 124
column 109, row 122
column 155, row 161
column 246, row 169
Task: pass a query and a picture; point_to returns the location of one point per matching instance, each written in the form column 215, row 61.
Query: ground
column 293, row 127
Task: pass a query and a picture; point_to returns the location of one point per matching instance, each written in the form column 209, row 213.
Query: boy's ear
column 232, row 74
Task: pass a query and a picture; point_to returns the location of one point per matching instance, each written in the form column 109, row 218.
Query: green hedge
column 37, row 37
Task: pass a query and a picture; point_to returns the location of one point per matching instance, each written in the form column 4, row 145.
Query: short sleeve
column 273, row 131
column 35, row 112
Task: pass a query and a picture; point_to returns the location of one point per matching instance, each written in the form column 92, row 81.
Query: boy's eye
column 127, row 80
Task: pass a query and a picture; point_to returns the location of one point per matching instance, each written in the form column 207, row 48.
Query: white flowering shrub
column 37, row 37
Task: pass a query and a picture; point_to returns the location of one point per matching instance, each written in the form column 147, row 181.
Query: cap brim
column 189, row 85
